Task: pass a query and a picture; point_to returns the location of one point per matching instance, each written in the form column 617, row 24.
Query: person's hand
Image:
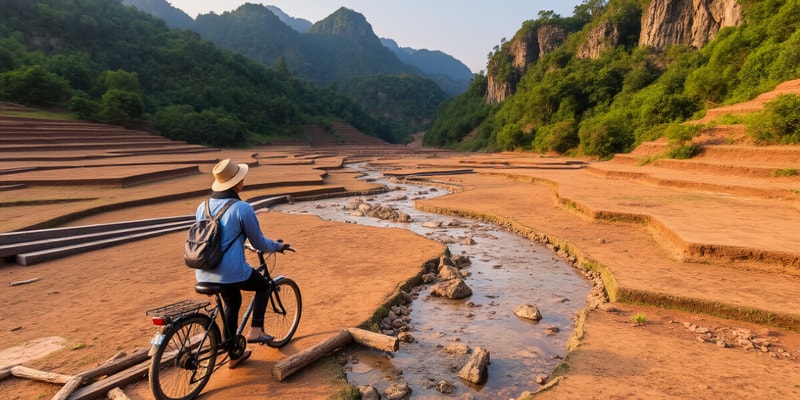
column 284, row 246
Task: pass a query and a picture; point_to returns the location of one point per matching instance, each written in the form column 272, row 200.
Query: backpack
column 203, row 248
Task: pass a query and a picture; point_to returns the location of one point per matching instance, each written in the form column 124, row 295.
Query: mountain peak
column 344, row 22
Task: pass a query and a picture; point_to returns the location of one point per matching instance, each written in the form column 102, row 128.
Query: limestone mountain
column 621, row 72
column 623, row 23
column 338, row 48
column 344, row 46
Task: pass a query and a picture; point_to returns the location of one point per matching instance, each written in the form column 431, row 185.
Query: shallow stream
column 506, row 271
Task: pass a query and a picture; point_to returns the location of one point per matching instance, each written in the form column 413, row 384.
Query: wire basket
column 178, row 309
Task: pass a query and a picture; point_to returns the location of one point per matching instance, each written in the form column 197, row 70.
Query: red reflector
column 159, row 321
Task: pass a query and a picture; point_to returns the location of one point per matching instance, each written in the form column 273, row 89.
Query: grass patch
column 785, row 172
column 639, row 319
column 40, row 114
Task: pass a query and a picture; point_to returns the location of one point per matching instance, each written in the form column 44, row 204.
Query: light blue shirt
column 239, row 218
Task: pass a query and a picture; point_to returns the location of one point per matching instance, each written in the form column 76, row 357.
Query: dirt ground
column 638, row 233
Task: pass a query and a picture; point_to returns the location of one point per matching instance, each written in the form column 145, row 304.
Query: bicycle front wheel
column 183, row 364
column 283, row 312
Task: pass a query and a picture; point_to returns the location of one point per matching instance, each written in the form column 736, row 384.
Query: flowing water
column 506, row 271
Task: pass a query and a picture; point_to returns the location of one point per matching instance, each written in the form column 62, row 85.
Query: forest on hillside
column 629, row 94
column 111, row 63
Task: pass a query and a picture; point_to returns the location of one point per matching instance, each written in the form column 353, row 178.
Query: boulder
column 452, row 289
column 476, row 369
column 528, row 311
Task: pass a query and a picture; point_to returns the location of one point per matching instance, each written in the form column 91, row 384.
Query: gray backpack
column 203, row 248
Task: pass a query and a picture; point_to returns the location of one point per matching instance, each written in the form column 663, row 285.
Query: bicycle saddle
column 209, row 288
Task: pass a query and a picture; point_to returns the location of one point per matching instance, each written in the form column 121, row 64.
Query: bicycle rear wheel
column 183, row 363
column 283, row 312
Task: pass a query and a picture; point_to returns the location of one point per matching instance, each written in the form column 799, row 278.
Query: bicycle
column 184, row 350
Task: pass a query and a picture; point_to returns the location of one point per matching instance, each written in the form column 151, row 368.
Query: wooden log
column 288, row 366
column 68, row 388
column 6, row 372
column 30, row 373
column 375, row 340
column 99, row 388
column 116, row 364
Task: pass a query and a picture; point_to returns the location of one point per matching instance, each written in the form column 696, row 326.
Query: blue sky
column 466, row 29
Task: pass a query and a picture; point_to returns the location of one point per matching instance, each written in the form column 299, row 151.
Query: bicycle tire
column 283, row 312
column 178, row 369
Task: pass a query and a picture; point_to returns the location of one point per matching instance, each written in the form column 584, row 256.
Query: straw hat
column 227, row 174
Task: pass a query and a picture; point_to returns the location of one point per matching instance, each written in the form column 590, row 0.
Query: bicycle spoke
column 183, row 364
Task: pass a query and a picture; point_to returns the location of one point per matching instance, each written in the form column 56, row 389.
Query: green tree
column 118, row 106
column 32, row 85
column 120, row 80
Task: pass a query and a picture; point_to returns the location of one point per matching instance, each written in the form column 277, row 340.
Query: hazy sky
column 466, row 29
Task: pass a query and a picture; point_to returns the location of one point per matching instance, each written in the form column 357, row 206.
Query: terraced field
column 704, row 251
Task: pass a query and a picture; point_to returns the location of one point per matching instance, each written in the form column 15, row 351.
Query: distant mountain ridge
column 299, row 24
column 318, row 52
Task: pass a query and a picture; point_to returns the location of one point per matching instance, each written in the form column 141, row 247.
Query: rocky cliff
column 525, row 48
column 689, row 22
column 604, row 36
column 663, row 23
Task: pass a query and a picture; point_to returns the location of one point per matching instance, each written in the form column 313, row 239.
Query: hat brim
column 223, row 186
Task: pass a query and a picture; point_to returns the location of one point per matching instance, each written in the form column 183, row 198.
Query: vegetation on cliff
column 628, row 94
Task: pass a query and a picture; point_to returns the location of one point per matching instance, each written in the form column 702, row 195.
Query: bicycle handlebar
column 250, row 247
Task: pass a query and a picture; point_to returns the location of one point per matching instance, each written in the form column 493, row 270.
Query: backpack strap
column 217, row 217
column 221, row 211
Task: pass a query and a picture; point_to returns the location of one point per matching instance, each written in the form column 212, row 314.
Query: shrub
column 779, row 122
column 559, row 137
column 83, row 107
column 119, row 106
column 32, row 86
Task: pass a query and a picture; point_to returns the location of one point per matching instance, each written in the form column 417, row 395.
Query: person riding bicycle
column 239, row 223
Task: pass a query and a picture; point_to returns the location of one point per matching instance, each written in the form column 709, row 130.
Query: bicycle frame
column 186, row 348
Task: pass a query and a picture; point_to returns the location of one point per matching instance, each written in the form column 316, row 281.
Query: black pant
column 232, row 297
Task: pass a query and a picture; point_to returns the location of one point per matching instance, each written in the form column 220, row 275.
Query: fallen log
column 30, row 373
column 375, row 340
column 288, row 366
column 68, row 388
column 101, row 387
column 6, row 372
column 117, row 363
